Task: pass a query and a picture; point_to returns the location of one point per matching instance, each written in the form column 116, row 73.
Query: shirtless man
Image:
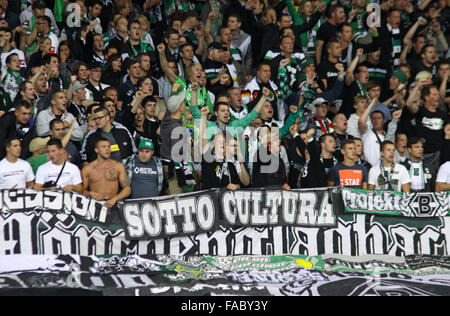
column 103, row 176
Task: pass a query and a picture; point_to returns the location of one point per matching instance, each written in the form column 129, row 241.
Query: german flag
column 246, row 93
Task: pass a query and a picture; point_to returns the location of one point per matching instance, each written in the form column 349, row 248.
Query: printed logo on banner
column 428, row 204
column 76, row 204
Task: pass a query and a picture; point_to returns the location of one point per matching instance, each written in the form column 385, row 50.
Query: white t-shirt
column 443, row 175
column 352, row 125
column 399, row 177
column 18, row 173
column 372, row 146
column 49, row 172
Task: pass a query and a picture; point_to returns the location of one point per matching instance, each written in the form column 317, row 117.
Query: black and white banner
column 233, row 275
column 76, row 204
column 424, row 204
column 183, row 214
column 195, row 213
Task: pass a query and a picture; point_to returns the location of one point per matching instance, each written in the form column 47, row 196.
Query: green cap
column 146, row 143
column 307, row 61
column 400, row 75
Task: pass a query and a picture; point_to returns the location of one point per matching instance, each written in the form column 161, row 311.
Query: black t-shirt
column 416, row 68
column 327, row 70
column 326, row 32
column 348, row 98
column 430, row 125
column 218, row 175
column 352, row 177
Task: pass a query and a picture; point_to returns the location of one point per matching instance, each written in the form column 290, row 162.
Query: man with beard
column 104, row 178
column 388, row 175
column 428, row 61
column 145, row 171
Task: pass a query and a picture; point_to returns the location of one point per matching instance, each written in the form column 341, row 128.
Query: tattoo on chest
column 110, row 174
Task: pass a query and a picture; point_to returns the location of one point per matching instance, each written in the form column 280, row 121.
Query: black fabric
column 212, row 178
column 260, row 179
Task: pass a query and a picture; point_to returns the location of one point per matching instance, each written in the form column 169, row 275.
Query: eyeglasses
column 99, row 117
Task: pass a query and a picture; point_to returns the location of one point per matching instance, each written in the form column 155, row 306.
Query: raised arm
column 414, row 98
column 350, row 76
column 362, row 122
column 165, row 65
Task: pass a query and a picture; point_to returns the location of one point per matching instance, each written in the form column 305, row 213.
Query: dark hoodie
column 259, row 179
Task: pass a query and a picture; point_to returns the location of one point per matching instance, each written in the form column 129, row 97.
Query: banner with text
column 423, row 204
column 81, row 206
column 199, row 212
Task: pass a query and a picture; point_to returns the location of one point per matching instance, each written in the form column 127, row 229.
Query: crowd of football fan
column 117, row 99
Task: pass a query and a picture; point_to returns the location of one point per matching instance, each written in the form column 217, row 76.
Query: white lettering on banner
column 132, row 216
column 244, row 207
column 147, row 218
column 289, row 207
column 229, row 207
column 168, row 209
column 307, row 213
column 35, row 201
column 53, row 200
column 273, row 202
column 326, row 215
column 151, row 219
column 187, row 208
column 48, row 233
column 259, row 214
column 13, row 200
